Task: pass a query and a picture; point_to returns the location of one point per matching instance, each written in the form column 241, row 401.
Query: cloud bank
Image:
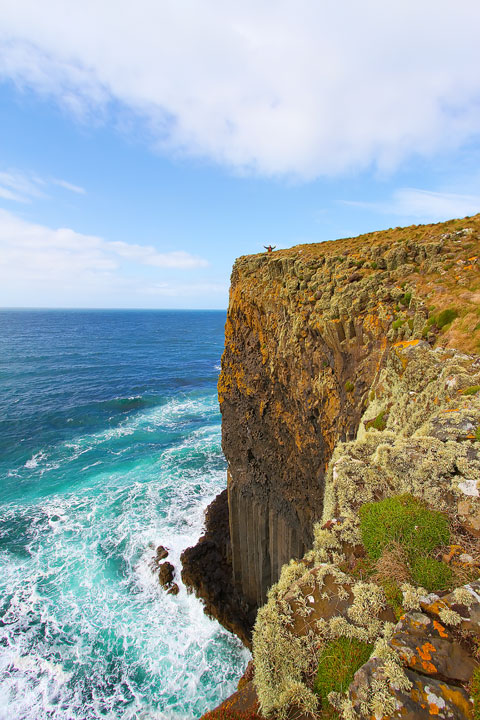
column 274, row 88
column 41, row 266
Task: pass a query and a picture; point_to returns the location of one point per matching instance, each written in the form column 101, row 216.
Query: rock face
column 285, row 399
column 207, row 569
column 307, row 332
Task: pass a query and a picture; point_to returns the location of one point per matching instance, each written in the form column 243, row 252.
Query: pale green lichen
column 412, row 596
column 449, row 616
column 462, row 596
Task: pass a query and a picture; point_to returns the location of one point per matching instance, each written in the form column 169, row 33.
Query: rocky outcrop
column 307, row 332
column 350, row 373
column 437, row 662
column 208, row 571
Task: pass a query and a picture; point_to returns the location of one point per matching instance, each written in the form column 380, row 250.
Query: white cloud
column 147, row 255
column 426, row 204
column 69, row 186
column 305, row 88
column 41, row 266
column 24, row 186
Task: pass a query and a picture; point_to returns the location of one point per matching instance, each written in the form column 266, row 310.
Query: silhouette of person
column 269, row 248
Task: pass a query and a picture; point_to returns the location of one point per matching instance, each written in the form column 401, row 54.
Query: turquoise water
column 109, row 446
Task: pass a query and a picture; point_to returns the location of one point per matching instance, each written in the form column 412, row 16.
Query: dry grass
column 471, row 546
column 392, row 566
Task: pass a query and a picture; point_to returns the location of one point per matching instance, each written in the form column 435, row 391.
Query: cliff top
column 439, row 264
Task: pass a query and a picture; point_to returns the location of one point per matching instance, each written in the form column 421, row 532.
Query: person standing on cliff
column 269, row 248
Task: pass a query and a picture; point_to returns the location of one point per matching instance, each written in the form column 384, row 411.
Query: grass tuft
column 339, row 661
column 445, row 317
column 405, row 520
column 379, row 423
column 431, row 574
column 472, row 390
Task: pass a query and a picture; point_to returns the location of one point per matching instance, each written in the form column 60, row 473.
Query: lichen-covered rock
column 426, row 447
column 426, row 646
column 376, row 695
column 460, row 608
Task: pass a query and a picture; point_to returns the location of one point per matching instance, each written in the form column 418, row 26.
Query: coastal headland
column 350, row 525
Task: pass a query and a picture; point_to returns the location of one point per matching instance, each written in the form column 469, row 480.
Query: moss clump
column 338, row 663
column 394, row 596
column 431, row 574
column 405, row 520
column 349, row 386
column 445, row 317
column 398, row 323
column 472, row 390
column 379, row 423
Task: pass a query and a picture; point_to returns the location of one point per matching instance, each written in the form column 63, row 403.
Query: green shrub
column 338, row 663
column 405, row 520
column 477, row 434
column 398, row 323
column 472, row 390
column 374, row 265
column 431, row 574
column 349, row 386
column 445, row 317
column 406, row 298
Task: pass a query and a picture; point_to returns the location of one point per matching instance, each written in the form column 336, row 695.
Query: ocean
column 109, row 447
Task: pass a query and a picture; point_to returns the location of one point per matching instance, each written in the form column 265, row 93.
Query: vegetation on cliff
column 351, row 426
column 399, row 502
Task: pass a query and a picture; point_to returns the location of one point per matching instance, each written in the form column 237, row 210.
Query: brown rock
column 325, row 601
column 243, row 703
column 173, row 589
column 207, row 570
column 426, row 698
column 469, row 614
column 428, row 647
column 161, row 553
column 166, row 574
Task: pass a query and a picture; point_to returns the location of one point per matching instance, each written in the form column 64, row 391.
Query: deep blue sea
column 109, row 446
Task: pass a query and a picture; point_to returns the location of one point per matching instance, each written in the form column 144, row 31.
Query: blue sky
column 144, row 146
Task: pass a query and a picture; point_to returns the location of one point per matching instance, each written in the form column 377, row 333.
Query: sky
column 145, row 145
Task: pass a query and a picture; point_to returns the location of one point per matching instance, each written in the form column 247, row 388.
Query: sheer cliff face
column 307, row 332
column 294, row 380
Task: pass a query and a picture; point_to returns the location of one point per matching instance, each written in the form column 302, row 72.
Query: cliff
column 316, row 370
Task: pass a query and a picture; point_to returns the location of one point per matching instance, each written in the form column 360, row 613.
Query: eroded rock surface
column 207, row 570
